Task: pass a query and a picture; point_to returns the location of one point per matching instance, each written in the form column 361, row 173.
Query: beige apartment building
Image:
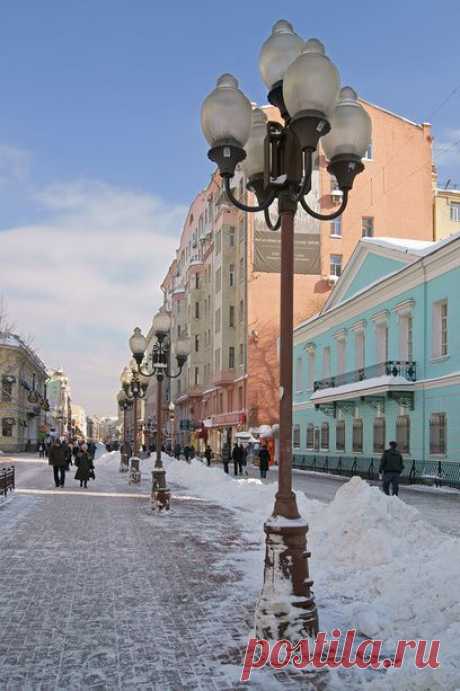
column 222, row 288
column 446, row 212
column 23, row 404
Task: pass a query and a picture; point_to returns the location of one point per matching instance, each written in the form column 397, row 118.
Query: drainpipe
column 425, row 357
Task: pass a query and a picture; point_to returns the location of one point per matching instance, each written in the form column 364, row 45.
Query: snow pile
column 377, row 566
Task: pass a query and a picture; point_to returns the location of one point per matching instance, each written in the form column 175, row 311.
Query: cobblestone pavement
column 97, row 592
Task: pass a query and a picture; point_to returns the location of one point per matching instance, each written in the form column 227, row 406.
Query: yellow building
column 446, row 212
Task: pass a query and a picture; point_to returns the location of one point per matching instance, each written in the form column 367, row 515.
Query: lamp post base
column 161, row 496
column 286, row 608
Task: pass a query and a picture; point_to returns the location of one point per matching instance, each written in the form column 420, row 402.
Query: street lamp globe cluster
column 277, row 160
column 157, row 364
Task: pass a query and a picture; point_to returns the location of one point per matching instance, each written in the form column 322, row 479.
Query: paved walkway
column 97, row 592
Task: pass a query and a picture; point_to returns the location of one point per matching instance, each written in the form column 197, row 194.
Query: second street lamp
column 277, row 160
column 157, row 364
column 134, row 387
column 124, row 404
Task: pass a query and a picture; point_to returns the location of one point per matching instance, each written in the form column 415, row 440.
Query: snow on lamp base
column 286, row 608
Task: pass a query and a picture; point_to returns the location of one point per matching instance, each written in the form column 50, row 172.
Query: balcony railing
column 391, row 368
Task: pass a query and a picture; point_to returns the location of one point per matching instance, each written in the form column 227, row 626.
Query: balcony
column 393, row 379
column 391, row 368
column 223, row 376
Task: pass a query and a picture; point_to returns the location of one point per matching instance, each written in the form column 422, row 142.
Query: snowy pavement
column 99, row 593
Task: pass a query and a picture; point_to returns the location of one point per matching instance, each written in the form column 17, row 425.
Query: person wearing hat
column 391, row 467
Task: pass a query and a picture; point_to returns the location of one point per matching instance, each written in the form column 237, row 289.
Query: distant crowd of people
column 62, row 455
column 238, row 455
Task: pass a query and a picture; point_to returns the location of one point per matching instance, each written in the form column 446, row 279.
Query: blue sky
column 100, row 104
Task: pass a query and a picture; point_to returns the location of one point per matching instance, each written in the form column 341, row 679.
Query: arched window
column 340, row 435
column 310, row 436
column 357, row 435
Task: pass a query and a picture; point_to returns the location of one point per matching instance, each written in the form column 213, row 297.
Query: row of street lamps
column 135, row 381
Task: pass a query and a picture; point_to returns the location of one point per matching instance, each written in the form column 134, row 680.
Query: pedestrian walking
column 208, row 455
column 187, row 453
column 57, row 459
column 177, row 451
column 264, row 461
column 236, row 458
column 85, row 469
column 41, row 449
column 67, row 454
column 391, row 467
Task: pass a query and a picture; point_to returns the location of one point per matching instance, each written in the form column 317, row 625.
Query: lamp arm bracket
column 269, row 222
column 239, row 205
column 326, row 217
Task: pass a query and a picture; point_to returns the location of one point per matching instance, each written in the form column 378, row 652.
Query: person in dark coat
column 68, row 455
column 85, row 466
column 236, row 458
column 92, row 450
column 226, row 456
column 264, row 461
column 187, row 453
column 57, row 458
column 208, row 455
column 391, row 467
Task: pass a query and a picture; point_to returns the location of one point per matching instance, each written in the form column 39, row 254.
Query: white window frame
column 440, row 329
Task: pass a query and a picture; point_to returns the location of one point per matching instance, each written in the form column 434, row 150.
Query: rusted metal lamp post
column 157, row 364
column 124, row 404
column 277, row 161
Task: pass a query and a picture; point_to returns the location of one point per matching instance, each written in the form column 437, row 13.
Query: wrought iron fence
column 437, row 472
column 391, row 368
column 7, row 480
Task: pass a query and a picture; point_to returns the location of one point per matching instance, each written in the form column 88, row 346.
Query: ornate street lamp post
column 124, row 404
column 277, row 160
column 157, row 364
column 134, row 387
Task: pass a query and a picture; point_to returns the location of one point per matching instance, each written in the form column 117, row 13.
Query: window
column 381, row 331
column 7, row 426
column 197, row 344
column 336, row 227
column 326, row 362
column 438, row 434
column 218, row 242
column 231, row 275
column 217, row 359
column 231, row 315
column 455, row 212
column 197, row 310
column 197, row 376
column 359, row 349
column 221, row 403
column 403, row 433
column 197, row 281
column 298, row 374
column 218, row 279
column 310, row 436
column 217, row 321
column 340, row 435
column 241, row 353
column 231, row 236
column 231, row 357
column 230, row 400
column 241, row 269
column 367, row 226
column 336, row 265
column 241, row 311
column 357, row 442
column 240, row 398
column 178, row 331
column 440, row 329
column 341, row 353
column 241, row 233
column 311, row 368
column 296, row 436
column 379, row 434
column 325, row 435
column 406, row 337
column 7, row 389
column 369, row 153
column 317, row 438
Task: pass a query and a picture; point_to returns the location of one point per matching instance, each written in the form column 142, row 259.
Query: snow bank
column 377, row 566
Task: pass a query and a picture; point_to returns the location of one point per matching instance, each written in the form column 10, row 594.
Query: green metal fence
column 439, row 473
